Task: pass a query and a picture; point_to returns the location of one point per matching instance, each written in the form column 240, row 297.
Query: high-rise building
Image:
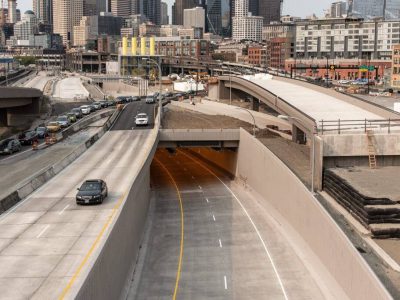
column 214, row 16
column 121, row 8
column 370, row 9
column 338, row 9
column 270, row 10
column 194, row 17
column 12, row 11
column 66, row 15
column 27, row 27
column 179, row 7
column 245, row 26
column 43, row 10
column 164, row 13
column 152, row 11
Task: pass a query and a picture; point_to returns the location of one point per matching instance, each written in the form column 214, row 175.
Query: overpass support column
column 298, row 135
column 255, row 104
column 3, row 118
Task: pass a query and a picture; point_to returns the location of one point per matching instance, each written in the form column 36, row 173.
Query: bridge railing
column 346, row 126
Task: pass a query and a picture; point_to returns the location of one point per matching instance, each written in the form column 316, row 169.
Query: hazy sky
column 298, row 8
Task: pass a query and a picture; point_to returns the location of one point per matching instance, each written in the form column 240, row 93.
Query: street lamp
column 284, row 117
column 254, row 120
column 160, row 79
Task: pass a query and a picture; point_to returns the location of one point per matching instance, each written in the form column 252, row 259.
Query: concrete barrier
column 268, row 176
column 108, row 275
column 40, row 178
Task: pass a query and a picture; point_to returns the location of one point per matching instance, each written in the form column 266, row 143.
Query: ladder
column 371, row 150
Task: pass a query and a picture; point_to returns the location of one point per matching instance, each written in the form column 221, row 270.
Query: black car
column 110, row 103
column 121, row 100
column 42, row 132
column 9, row 146
column 103, row 103
column 92, row 191
column 28, row 137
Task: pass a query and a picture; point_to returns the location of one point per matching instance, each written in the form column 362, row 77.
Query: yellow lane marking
column 90, row 252
column 178, row 273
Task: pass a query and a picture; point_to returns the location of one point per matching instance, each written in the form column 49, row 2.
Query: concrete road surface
column 70, row 88
column 46, row 237
column 227, row 247
column 38, row 82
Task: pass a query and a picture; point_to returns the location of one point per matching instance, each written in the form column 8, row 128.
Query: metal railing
column 346, row 126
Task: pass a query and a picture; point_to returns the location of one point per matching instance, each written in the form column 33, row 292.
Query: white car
column 142, row 119
column 85, row 109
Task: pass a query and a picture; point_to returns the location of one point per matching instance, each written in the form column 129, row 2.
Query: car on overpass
column 9, row 146
column 92, row 191
column 72, row 117
column 150, row 100
column 42, row 132
column 78, row 112
column 141, row 119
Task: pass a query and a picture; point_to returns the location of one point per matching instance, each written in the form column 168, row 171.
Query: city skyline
column 290, row 7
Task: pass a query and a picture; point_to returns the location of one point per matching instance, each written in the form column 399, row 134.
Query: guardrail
column 339, row 126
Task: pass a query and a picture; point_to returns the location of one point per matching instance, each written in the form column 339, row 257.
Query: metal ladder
column 371, row 150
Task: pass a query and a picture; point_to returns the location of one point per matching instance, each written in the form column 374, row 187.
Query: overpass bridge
column 207, row 236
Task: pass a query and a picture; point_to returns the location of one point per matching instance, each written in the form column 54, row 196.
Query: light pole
column 254, row 120
column 284, row 117
column 160, row 85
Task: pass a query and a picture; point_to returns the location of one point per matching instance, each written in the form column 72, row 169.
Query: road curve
column 229, row 248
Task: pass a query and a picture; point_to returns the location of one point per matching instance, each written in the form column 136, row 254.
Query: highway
column 46, row 241
column 207, row 239
column 126, row 121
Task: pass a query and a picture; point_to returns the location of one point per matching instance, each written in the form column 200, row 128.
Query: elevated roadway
column 47, row 241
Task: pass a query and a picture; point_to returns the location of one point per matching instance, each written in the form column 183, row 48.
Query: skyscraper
column 214, row 16
column 244, row 26
column 43, row 10
column 123, row 8
column 152, row 10
column 270, row 10
column 66, row 15
column 179, row 7
column 164, row 13
column 375, row 8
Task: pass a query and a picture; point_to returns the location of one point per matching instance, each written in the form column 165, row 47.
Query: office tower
column 152, row 11
column 338, row 9
column 213, row 16
column 66, row 15
column 194, row 17
column 270, row 10
column 43, row 10
column 254, row 7
column 179, row 7
column 244, row 26
column 12, row 11
column 121, row 8
column 27, row 27
column 164, row 13
column 369, row 9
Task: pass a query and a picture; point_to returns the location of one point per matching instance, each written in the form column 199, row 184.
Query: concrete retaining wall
column 267, row 175
column 40, row 178
column 109, row 275
column 356, row 144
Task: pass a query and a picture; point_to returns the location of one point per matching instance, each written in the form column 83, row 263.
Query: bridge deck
column 315, row 104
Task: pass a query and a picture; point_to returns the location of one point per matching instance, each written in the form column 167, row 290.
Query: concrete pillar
column 318, row 162
column 3, row 117
column 298, row 135
column 255, row 104
column 223, row 91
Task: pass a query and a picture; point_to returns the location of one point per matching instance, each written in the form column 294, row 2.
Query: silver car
column 63, row 121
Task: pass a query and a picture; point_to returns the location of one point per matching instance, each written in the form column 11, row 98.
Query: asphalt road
column 206, row 240
column 126, row 121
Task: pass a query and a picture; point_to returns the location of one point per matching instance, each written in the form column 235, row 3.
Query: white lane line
column 225, row 283
column 43, row 231
column 220, row 243
column 200, row 187
column 252, row 223
column 207, row 200
column 214, row 218
column 62, row 211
